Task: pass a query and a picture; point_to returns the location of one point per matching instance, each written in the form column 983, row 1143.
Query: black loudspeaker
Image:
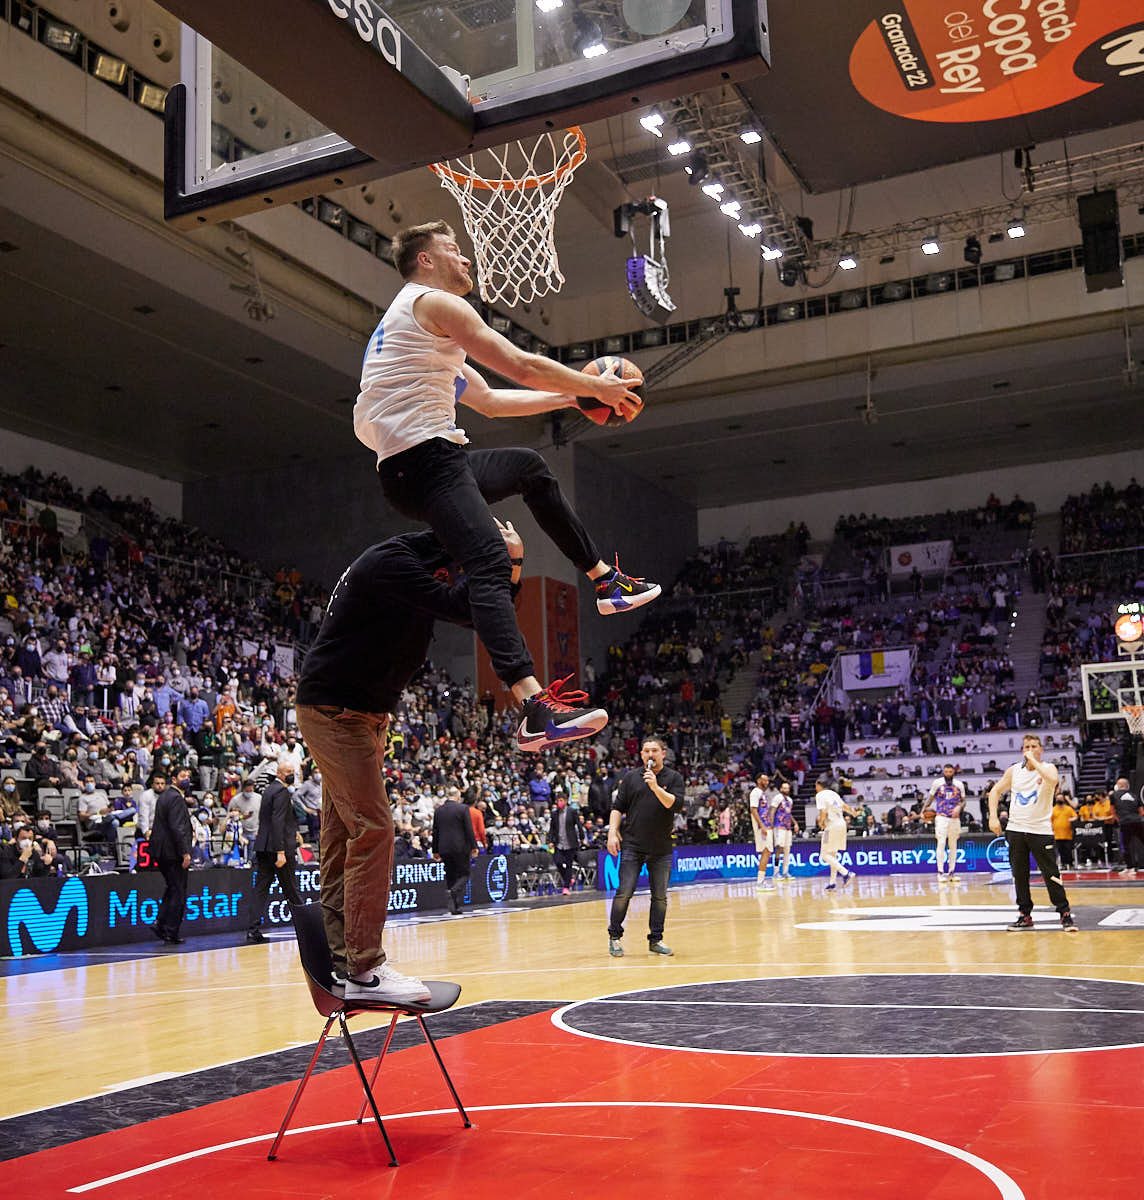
column 1100, row 233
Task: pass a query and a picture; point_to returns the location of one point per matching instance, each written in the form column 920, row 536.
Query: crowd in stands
column 141, row 645
column 1103, row 519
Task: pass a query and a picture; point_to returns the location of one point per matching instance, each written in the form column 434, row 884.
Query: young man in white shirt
column 947, row 799
column 832, row 814
column 1033, row 784
column 413, row 374
column 760, row 804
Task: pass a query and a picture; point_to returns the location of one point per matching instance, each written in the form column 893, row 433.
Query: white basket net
column 508, row 199
column 1134, row 715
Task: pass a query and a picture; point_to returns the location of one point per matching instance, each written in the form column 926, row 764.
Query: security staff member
column 171, row 838
column 275, row 848
column 565, row 838
column 455, row 844
column 646, row 801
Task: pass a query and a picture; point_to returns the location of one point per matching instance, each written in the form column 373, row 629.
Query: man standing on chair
column 1033, row 784
column 171, row 838
column 455, row 844
column 646, row 802
column 413, row 374
column 275, row 847
column 378, row 626
column 947, row 798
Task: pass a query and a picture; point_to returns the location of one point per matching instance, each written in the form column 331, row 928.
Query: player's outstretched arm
column 451, row 317
column 501, row 402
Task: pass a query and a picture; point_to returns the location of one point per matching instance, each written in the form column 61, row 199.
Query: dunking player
column 1030, row 831
column 783, row 826
column 761, row 823
column 378, row 625
column 947, row 798
column 413, row 374
column 832, row 814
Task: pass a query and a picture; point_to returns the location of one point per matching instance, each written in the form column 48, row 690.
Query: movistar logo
column 45, row 930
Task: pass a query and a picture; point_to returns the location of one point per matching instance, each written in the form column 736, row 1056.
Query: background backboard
column 1108, row 686
column 282, row 98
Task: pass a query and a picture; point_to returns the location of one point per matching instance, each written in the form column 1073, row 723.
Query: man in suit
column 455, row 844
column 171, row 837
column 564, row 836
column 274, row 849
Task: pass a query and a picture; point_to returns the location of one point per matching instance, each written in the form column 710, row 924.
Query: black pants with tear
column 1044, row 852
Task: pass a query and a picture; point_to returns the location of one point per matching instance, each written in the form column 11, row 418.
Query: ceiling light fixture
column 848, row 263
column 714, row 189
column 752, row 231
column 1016, row 228
column 770, row 253
column 732, row 208
column 681, row 147
column 931, row 247
column 547, row 6
column 652, row 121
column 751, row 137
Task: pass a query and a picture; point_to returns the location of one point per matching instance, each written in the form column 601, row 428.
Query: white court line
column 1134, row 1012
column 559, row 1015
column 1006, row 1187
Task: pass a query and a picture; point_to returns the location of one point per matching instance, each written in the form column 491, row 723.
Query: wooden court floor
column 789, row 1007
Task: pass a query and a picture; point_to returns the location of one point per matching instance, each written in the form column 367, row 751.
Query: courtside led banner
column 931, row 81
column 41, row 916
column 976, row 853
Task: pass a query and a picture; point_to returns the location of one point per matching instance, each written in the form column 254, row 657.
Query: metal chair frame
column 318, row 967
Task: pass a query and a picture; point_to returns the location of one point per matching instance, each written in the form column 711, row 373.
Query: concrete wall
column 1046, row 484
column 652, row 531
column 85, row 471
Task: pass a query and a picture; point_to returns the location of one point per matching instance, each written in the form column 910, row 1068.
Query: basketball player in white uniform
column 1033, row 784
column 760, row 802
column 832, row 814
column 947, row 799
column 413, row 374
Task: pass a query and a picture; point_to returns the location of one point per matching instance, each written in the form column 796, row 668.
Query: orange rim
column 465, row 179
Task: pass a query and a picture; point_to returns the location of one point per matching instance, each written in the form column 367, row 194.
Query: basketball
column 1129, row 628
column 596, row 410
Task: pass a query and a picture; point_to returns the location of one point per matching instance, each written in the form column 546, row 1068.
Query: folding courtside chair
column 317, row 964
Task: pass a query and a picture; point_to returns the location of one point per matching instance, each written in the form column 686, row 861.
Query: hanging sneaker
column 386, row 986
column 552, row 717
column 617, row 592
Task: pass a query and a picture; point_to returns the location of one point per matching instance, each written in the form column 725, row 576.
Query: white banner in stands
column 284, row 659
column 875, row 669
column 928, row 557
column 68, row 522
column 249, row 649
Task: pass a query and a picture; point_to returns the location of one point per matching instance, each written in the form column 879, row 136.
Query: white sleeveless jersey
column 410, row 382
column 1030, row 801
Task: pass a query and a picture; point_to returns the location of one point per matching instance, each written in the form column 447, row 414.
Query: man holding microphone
column 646, row 802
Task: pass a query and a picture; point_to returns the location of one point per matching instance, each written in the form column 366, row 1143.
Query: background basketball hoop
column 508, row 199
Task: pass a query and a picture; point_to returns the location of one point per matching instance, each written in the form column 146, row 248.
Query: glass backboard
column 280, row 99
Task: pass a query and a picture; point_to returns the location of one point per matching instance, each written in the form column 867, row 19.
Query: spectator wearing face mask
column 145, row 805
column 246, row 806
column 69, row 769
column 9, row 801
column 21, row 858
column 43, row 769
column 308, row 796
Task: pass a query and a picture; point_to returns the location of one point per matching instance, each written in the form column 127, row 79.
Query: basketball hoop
column 1134, row 715
column 508, row 199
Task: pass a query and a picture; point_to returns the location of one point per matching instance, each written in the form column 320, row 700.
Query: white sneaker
column 386, row 986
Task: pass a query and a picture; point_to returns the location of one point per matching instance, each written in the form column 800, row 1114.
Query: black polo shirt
column 647, row 823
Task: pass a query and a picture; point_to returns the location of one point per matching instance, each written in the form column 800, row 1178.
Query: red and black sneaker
column 552, row 717
column 1024, row 921
column 1067, row 922
column 617, row 592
